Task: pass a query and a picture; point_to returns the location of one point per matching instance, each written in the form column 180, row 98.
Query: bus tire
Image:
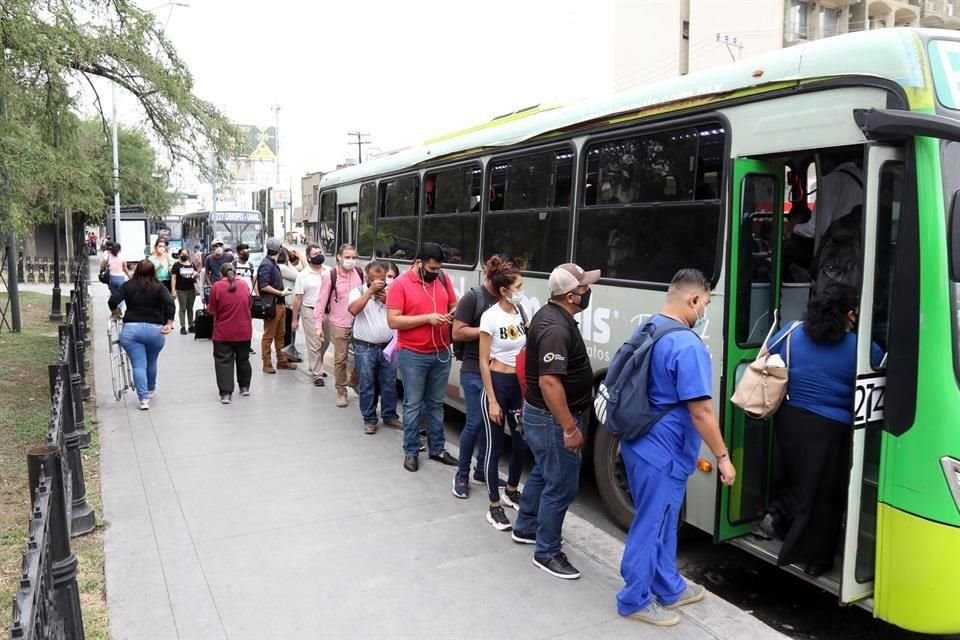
column 611, row 478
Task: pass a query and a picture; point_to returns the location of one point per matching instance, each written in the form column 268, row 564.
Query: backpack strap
column 523, row 314
column 477, row 306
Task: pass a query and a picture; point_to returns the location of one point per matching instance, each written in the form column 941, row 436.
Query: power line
column 359, row 142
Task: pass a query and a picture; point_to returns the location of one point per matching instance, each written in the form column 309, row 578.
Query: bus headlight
column 951, row 469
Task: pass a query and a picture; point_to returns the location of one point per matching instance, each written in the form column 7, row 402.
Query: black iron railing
column 47, row 603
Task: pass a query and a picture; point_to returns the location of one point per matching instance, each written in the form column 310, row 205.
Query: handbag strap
column 773, row 328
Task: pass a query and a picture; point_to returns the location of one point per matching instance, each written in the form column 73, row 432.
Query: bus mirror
column 896, row 124
column 954, row 237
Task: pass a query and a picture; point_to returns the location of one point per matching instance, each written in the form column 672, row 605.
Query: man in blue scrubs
column 659, row 463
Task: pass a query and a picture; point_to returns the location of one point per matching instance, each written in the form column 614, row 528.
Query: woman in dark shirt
column 812, row 431
column 148, row 318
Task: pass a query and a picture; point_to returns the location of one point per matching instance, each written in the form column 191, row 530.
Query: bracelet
column 722, row 456
column 569, row 435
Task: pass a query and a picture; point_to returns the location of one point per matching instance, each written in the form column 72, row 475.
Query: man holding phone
column 420, row 306
column 270, row 283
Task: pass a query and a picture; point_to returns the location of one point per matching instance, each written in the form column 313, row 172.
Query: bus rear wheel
column 611, row 478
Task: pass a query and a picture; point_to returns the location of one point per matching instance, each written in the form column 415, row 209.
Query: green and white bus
column 715, row 170
column 232, row 226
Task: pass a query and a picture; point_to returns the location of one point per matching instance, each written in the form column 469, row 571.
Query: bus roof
column 893, row 54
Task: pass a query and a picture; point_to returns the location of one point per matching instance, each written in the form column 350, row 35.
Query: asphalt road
column 788, row 604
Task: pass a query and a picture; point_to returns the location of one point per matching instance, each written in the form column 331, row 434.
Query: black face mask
column 317, row 259
column 428, row 276
column 273, row 254
column 184, row 258
column 244, row 255
column 585, row 299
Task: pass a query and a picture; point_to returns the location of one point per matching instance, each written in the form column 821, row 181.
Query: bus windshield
column 174, row 229
column 234, row 233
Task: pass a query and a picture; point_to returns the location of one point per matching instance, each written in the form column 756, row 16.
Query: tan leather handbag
column 763, row 386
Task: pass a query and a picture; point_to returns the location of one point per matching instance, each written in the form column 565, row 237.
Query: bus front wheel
column 611, row 478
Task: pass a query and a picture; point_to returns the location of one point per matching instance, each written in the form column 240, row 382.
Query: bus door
column 753, row 294
column 346, row 224
column 883, row 191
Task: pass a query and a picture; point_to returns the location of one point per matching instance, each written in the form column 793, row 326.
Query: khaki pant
column 185, row 301
column 273, row 330
column 316, row 347
column 341, row 345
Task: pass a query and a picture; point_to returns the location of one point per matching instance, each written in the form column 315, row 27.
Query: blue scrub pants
column 649, row 565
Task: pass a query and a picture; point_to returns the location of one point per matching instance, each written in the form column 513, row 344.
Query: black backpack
column 478, row 309
column 332, row 295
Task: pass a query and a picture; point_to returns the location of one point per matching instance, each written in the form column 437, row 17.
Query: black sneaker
column 461, row 488
column 558, row 566
column 183, row 331
column 499, row 520
column 511, row 498
column 524, row 537
column 191, row 330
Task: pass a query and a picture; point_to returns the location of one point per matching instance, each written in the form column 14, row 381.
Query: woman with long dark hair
column 232, row 330
column 147, row 319
column 119, row 272
column 503, row 333
column 812, row 431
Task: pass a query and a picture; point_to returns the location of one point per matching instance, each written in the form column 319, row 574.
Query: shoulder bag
column 763, row 386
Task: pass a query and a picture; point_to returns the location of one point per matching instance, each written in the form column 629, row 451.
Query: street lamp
column 116, row 153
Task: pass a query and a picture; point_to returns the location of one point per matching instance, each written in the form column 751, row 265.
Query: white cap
column 569, row 276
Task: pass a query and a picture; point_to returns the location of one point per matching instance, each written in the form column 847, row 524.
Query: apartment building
column 658, row 39
column 310, row 200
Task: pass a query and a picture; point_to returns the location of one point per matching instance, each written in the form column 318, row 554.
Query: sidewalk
column 276, row 517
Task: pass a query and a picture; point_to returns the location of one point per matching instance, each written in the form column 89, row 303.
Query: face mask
column 428, row 276
column 515, row 297
column 272, row 254
column 244, row 255
column 389, row 279
column 700, row 319
column 585, row 300
column 218, row 251
column 162, row 249
column 317, row 259
column 349, row 263
column 184, row 258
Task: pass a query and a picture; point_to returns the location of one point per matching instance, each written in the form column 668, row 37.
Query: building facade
column 310, row 200
column 658, row 39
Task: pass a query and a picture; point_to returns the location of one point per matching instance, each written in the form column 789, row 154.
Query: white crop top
column 507, row 332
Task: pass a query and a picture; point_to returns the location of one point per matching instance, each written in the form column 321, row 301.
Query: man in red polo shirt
column 420, row 306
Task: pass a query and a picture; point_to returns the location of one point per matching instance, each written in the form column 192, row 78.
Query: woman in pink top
column 232, row 330
column 119, row 273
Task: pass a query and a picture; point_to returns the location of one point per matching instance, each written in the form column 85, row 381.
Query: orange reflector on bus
column 758, row 73
column 704, row 465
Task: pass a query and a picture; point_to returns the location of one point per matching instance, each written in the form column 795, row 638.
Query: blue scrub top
column 822, row 377
column 679, row 373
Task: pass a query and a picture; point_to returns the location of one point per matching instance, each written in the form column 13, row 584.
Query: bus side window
column 757, row 211
column 888, row 218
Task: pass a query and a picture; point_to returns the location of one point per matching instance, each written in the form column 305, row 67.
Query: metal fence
column 47, row 603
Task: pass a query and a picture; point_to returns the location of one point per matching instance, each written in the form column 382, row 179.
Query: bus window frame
column 376, row 191
column 381, row 203
column 422, row 208
column 661, row 124
column 567, row 145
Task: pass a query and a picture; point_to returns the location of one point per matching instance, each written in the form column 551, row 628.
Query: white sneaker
column 693, row 593
column 144, row 405
column 656, row 615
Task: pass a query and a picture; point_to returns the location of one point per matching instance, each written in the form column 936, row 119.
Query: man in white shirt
column 371, row 334
column 306, row 290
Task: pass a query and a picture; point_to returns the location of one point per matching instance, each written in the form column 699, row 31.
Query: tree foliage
column 52, row 50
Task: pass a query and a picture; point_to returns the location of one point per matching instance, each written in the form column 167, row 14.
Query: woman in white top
column 119, row 272
column 503, row 333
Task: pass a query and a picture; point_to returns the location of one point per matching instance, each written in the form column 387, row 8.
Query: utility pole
column 360, row 142
column 116, row 167
column 56, row 315
column 731, row 43
column 276, row 139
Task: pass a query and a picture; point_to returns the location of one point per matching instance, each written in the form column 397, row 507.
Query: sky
column 401, row 71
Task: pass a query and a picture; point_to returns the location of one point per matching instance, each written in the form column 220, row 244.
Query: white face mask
column 348, row 263
column 700, row 319
column 389, row 279
column 515, row 297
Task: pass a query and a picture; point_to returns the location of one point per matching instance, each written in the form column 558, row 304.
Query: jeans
column 374, row 371
column 226, row 355
column 424, row 385
column 143, row 342
column 506, row 387
column 552, row 484
column 116, row 282
column 472, row 435
column 185, row 301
